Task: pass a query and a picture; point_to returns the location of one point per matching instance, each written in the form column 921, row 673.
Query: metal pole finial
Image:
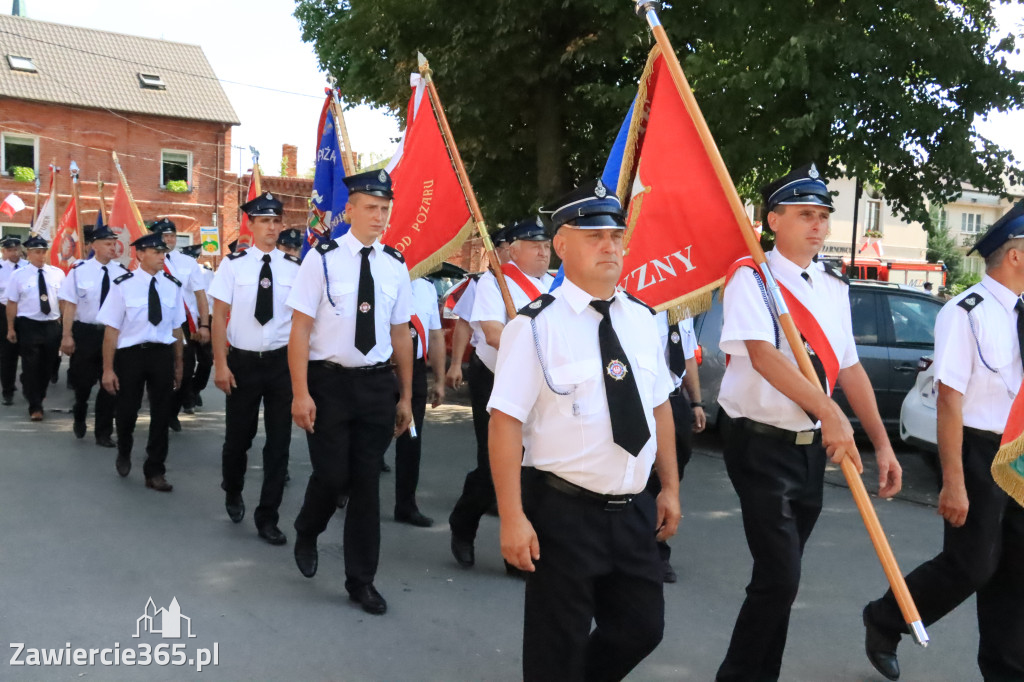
column 643, row 7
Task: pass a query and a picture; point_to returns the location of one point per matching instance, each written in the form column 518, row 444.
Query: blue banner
column 329, row 196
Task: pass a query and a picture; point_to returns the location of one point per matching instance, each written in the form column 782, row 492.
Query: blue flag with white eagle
column 329, row 196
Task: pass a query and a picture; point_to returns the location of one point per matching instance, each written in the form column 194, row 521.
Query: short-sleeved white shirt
column 746, row 317
column 127, row 308
column 237, row 283
column 464, row 310
column 334, row 324
column 424, row 306
column 571, row 435
column 83, row 286
column 187, row 270
column 985, row 368
column 23, row 289
column 7, row 269
column 489, row 306
column 687, row 337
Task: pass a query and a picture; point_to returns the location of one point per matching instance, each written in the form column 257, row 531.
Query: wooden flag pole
column 467, row 187
column 35, row 208
column 103, row 203
column 80, row 232
column 348, row 156
column 648, row 9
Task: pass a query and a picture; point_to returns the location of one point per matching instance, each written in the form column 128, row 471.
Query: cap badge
column 270, row 197
column 382, row 176
column 617, row 370
column 265, row 283
column 675, row 337
column 600, row 191
column 813, row 173
column 364, row 307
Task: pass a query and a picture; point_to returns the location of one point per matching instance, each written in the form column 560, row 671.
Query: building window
column 151, row 81
column 874, row 216
column 20, row 151
column 943, row 221
column 175, row 165
column 970, row 223
column 21, row 63
column 19, row 231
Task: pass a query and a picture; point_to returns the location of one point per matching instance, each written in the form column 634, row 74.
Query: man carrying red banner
column 527, row 277
column 781, row 428
column 978, row 344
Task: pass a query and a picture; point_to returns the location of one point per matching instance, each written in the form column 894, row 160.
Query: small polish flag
column 11, row 205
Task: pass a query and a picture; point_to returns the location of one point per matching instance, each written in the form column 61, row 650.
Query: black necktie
column 366, row 335
column 44, row 300
column 155, row 314
column 676, row 358
column 629, row 424
column 1019, row 307
column 265, row 293
column 807, row 278
column 105, row 286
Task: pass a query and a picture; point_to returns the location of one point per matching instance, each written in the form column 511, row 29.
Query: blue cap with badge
column 530, row 230
column 500, row 237
column 375, row 183
column 162, row 226
column 263, row 205
column 10, row 242
column 591, row 206
column 1010, row 226
column 291, row 238
column 153, row 240
column 35, row 242
column 99, row 233
column 803, row 185
column 192, row 251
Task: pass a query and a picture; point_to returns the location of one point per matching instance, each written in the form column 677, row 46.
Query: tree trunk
column 549, row 136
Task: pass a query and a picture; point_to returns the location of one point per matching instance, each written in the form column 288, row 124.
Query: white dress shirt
column 424, row 305
column 84, row 285
column 489, row 306
column 687, row 337
column 187, row 271
column 237, row 283
column 464, row 310
column 334, row 324
column 985, row 368
column 571, row 435
column 23, row 289
column 746, row 317
column 7, row 268
column 127, row 308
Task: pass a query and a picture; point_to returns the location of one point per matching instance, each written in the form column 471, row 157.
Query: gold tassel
column 624, row 189
column 692, row 304
column 1008, row 471
column 442, row 254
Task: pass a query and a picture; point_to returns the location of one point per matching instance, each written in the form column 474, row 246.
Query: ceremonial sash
column 805, row 322
column 519, row 277
column 420, row 334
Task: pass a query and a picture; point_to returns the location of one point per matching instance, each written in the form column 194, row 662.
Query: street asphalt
column 82, row 551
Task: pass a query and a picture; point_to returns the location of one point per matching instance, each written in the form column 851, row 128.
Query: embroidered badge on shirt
column 616, row 370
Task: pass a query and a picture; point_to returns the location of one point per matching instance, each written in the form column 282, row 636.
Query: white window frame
column 943, row 221
column 20, row 63
column 969, row 226
column 873, row 215
column 3, row 151
column 163, row 152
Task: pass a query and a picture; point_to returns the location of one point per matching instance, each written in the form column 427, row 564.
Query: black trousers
column 146, row 367
column 259, row 379
column 184, row 396
column 204, row 364
column 38, row 345
column 8, row 358
column 780, row 487
column 478, row 489
column 984, row 556
column 85, row 371
column 596, row 567
column 355, row 420
column 407, row 448
column 682, row 415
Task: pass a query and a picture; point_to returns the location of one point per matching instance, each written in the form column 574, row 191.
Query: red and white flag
column 64, row 250
column 244, row 231
column 46, row 221
column 872, row 244
column 122, row 222
column 430, row 218
column 11, row 205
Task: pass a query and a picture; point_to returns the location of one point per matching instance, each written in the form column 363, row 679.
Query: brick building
column 75, row 94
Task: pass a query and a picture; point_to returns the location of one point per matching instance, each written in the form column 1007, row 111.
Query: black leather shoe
column 272, row 534
column 384, row 466
column 235, row 506
column 881, row 648
column 369, row 598
column 105, row 442
column 188, row 409
column 174, row 425
column 123, row 465
column 199, row 400
column 342, row 501
column 463, row 552
column 159, row 484
column 79, row 429
column 415, row 518
column 668, row 574
column 8, row 400
column 306, row 556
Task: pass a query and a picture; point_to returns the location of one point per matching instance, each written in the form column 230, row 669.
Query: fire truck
column 911, row 272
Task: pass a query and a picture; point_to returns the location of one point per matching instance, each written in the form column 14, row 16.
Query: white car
column 918, row 416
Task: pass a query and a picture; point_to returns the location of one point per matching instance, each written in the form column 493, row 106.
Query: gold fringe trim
column 692, row 304
column 442, row 254
column 629, row 153
column 1008, row 469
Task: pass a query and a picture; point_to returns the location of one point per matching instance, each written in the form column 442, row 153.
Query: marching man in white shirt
column 582, row 385
column 8, row 351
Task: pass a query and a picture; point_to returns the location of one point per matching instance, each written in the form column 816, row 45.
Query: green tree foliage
column 535, row 91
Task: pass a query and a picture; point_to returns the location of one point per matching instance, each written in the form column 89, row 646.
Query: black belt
column 146, row 346
column 88, row 325
column 607, row 502
column 359, row 371
column 793, row 437
column 258, row 354
column 987, row 436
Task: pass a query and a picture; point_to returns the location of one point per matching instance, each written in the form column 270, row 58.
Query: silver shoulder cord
column 327, row 281
column 540, row 359
column 977, row 343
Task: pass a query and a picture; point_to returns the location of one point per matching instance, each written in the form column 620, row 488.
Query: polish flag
column 11, row 205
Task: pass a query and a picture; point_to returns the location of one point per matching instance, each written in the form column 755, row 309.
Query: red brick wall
column 138, row 142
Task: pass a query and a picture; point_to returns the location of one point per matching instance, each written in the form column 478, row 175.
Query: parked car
column 919, row 415
column 893, row 326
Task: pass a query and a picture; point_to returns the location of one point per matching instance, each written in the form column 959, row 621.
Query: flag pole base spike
column 919, row 633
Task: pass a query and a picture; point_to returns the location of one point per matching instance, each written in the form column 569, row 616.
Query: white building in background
column 900, row 240
column 971, row 215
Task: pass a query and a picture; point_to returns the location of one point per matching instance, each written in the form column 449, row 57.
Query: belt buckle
column 805, row 437
column 616, row 505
